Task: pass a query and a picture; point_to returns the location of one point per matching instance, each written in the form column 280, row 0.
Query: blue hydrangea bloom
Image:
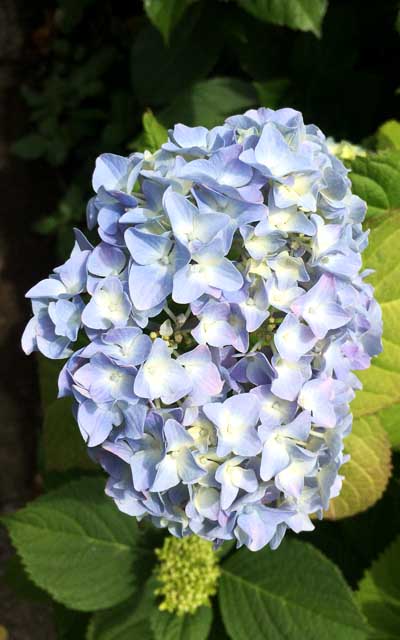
column 222, row 314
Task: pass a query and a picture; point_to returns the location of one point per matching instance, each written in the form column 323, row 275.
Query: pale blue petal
column 176, row 436
column 94, row 422
column 167, row 474
column 189, row 284
column 135, row 416
column 149, row 285
column 106, row 260
column 50, row 288
column 146, row 248
column 293, row 339
column 188, row 469
column 275, row 458
column 110, row 171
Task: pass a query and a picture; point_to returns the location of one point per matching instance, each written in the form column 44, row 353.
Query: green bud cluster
column 188, row 573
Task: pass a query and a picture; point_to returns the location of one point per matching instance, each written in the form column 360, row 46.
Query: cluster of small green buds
column 188, row 573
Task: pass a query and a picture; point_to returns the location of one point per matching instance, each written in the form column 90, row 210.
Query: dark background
column 75, row 79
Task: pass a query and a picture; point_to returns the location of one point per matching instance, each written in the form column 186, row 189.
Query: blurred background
column 76, row 78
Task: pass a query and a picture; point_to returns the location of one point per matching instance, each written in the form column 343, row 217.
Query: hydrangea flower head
column 222, row 314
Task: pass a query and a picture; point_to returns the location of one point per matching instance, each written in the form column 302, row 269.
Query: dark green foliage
column 293, row 592
column 105, row 63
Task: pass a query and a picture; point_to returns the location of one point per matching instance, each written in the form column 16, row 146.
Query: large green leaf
column 127, row 621
column 16, row 577
column 306, row 15
column 75, row 544
column 63, row 445
column 390, row 418
column 381, row 382
column 168, row 626
column 388, row 135
column 120, row 623
column 209, row 102
column 59, row 425
column 48, row 376
column 368, row 471
column 376, row 179
column 294, row 592
column 379, row 594
column 159, row 72
column 165, row 14
column 272, row 92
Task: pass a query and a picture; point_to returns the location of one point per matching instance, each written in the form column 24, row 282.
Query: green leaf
column 226, row 547
column 30, row 147
column 69, row 624
column 15, row 577
column 272, row 93
column 294, row 592
column 125, row 622
column 59, row 425
column 368, row 471
column 60, row 428
column 209, row 102
column 379, row 594
column 381, row 382
column 75, row 544
column 388, row 135
column 390, row 418
column 165, row 14
column 49, row 371
column 159, row 72
column 306, row 15
column 168, row 626
column 376, row 179
column 155, row 133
